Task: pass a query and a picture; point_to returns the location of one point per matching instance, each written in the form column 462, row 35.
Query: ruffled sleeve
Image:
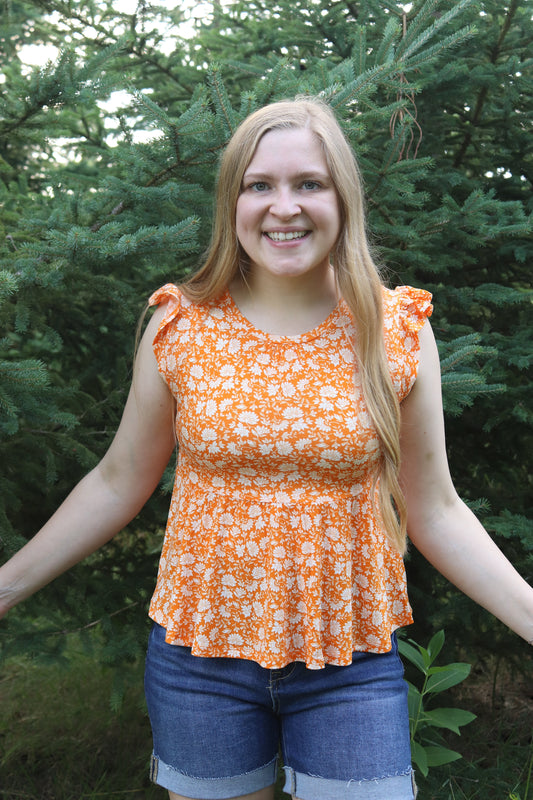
column 170, row 294
column 405, row 312
column 166, row 344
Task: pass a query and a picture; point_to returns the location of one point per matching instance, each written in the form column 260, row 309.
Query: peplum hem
column 279, row 580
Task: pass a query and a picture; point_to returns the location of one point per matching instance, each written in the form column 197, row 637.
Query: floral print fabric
column 272, row 550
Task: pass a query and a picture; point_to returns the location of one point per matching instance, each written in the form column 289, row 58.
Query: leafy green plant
column 427, row 747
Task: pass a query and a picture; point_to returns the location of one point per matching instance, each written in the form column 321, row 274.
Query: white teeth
column 279, row 236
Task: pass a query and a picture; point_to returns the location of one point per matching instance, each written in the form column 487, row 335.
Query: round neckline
column 306, row 336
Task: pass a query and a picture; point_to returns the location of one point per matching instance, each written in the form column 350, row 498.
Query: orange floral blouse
column 272, row 550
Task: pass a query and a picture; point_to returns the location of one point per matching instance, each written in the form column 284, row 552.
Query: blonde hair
column 357, row 275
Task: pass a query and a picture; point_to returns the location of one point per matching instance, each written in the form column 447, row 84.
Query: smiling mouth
column 280, row 236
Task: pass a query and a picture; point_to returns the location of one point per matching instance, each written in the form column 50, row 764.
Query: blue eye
column 311, row 185
column 259, row 186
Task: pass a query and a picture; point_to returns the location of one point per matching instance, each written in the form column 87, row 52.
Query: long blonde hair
column 358, row 277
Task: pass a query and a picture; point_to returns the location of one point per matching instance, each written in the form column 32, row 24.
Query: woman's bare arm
column 111, row 495
column 439, row 524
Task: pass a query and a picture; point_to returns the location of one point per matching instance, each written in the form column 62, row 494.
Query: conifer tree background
column 95, row 214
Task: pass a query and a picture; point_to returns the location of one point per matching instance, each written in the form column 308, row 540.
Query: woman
column 305, row 398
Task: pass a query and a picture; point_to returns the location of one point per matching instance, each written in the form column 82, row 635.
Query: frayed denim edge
column 352, row 788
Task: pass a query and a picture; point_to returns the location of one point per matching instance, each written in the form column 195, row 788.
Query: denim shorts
column 219, row 724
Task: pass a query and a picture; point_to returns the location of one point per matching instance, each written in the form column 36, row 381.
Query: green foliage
column 102, row 204
column 463, row 373
column 425, row 723
column 60, row 715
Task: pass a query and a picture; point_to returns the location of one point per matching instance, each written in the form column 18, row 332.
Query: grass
column 60, row 740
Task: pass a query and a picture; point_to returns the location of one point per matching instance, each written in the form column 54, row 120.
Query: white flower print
column 259, row 572
column 284, row 448
column 288, row 389
column 210, row 408
column 331, row 455
column 292, row 413
column 248, row 418
column 252, row 548
column 234, row 346
column 268, row 554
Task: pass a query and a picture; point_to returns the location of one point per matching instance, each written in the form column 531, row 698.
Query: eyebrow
column 304, row 175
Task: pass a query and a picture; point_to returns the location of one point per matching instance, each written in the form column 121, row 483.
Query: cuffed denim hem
column 212, row 788
column 313, row 787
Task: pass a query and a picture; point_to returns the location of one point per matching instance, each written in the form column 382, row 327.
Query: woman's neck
column 284, row 306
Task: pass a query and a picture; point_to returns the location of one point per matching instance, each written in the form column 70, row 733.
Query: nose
column 285, row 204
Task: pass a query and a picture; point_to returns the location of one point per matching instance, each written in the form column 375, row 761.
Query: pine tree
column 89, row 228
column 422, row 96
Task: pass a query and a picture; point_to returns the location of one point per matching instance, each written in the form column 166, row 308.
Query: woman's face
column 288, row 217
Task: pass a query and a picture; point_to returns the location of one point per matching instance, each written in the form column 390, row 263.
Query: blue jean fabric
column 219, row 723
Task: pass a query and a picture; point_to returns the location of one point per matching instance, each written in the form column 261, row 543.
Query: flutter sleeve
column 405, row 312
column 166, row 341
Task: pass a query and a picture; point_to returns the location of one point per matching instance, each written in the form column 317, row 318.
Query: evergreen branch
column 462, row 355
column 415, row 38
column 246, row 67
column 20, row 381
column 56, row 85
column 416, row 60
column 363, row 85
column 8, row 284
column 248, row 104
column 163, row 175
column 484, row 91
column 385, row 52
column 193, row 121
column 126, row 42
column 152, row 109
column 152, row 239
column 146, row 239
column 221, row 101
column 461, row 389
column 359, row 47
column 393, row 153
column 268, row 88
column 132, row 194
column 118, row 209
